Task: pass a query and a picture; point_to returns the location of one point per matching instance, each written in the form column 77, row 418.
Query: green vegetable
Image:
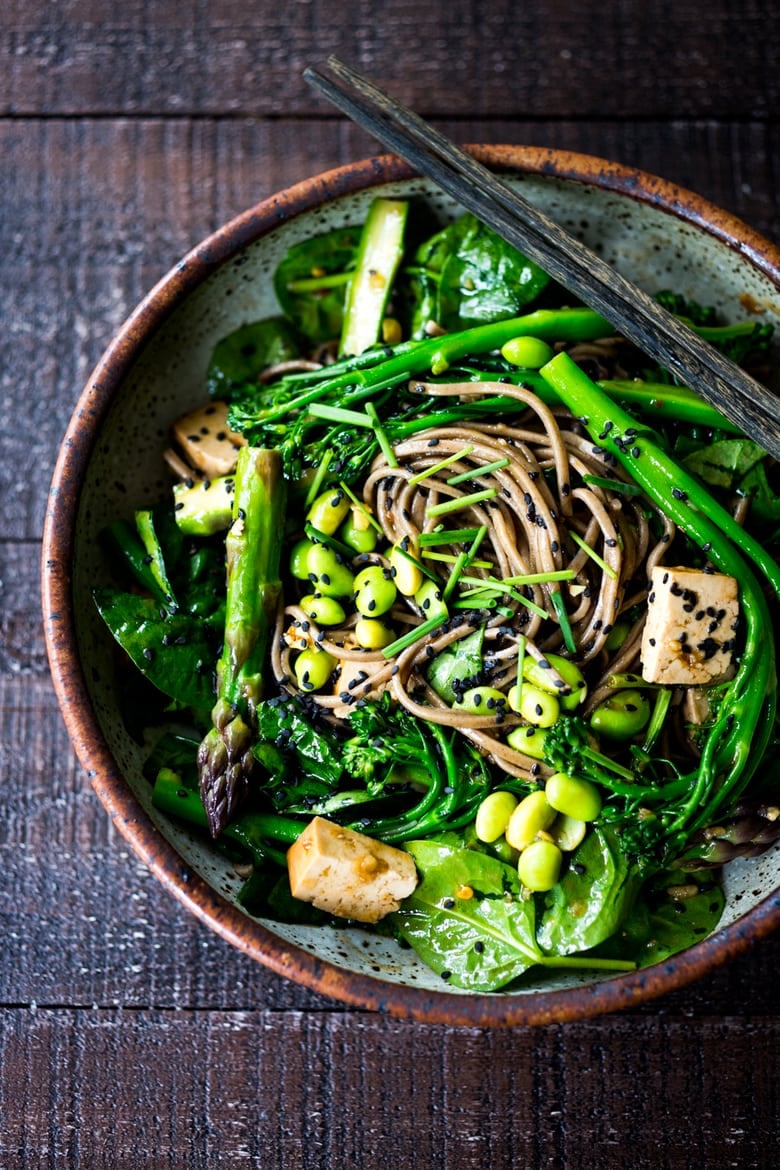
column 379, row 254
column 238, row 359
column 458, row 664
column 622, row 715
column 468, row 274
column 468, row 919
column 254, row 545
column 735, row 744
column 311, row 281
column 173, row 650
column 592, row 898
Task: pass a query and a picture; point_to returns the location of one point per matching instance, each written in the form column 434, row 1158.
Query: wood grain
column 277, row 1090
column 470, row 59
column 130, row 1035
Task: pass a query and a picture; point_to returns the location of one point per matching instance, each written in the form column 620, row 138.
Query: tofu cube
column 348, row 874
column 206, row 441
column 692, row 616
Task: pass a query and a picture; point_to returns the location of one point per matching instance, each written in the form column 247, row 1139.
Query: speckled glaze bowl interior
column 110, row 463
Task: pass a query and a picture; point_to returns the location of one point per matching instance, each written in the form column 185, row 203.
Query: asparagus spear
column 253, row 545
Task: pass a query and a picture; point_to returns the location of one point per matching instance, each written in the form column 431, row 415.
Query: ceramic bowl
column 110, row 462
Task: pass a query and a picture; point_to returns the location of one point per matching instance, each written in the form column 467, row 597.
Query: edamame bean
column 539, row 866
column 493, row 816
column 535, row 705
column 617, row 636
column 325, row 610
column 575, row 689
column 358, row 532
column 567, row 832
column 531, row 353
column 533, row 814
column 429, row 599
column 313, row 668
column 375, row 591
column 373, row 634
column 408, row 578
column 504, row 851
column 333, row 578
column 528, row 740
column 299, row 554
column 482, row 701
column 573, row 796
column 328, row 510
column 622, row 715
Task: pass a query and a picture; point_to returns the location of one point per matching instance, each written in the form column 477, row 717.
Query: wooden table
column 131, row 1036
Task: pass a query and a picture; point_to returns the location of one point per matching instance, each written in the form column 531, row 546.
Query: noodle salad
column 458, row 621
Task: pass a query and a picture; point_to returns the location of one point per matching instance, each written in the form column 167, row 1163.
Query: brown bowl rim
column 248, row 935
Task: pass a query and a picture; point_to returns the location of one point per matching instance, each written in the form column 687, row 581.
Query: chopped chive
column 446, row 536
column 477, row 471
column 460, row 563
column 331, row 541
column 463, row 560
column 319, row 476
column 363, row 507
column 461, row 502
column 498, row 588
column 660, row 708
column 526, row 578
column 355, row 418
column 476, row 542
column 482, row 601
column 613, row 485
column 450, row 558
column 381, row 436
column 563, row 621
column 421, row 475
column 594, row 556
column 419, row 564
column 520, row 664
column 414, row 635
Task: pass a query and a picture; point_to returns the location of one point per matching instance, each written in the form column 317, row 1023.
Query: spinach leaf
column 486, row 279
column 592, row 898
column 468, row 275
column 478, row 943
column 659, row 926
column 764, row 499
column 724, row 463
column 309, row 286
column 240, row 357
column 265, row 894
column 302, row 748
column 175, row 652
column 458, row 663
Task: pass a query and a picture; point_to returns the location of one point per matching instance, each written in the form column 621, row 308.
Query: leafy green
column 725, row 463
column 592, row 898
column 479, row 943
column 468, row 275
column 456, row 665
column 659, row 925
column 173, row 650
column 302, row 747
column 239, row 358
column 317, row 309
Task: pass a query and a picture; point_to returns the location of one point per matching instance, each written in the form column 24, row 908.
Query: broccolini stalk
column 740, row 735
column 388, row 366
column 253, row 547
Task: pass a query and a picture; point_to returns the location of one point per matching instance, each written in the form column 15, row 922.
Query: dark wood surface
column 131, row 1036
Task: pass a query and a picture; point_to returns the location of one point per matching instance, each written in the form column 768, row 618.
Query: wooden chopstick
column 751, row 406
